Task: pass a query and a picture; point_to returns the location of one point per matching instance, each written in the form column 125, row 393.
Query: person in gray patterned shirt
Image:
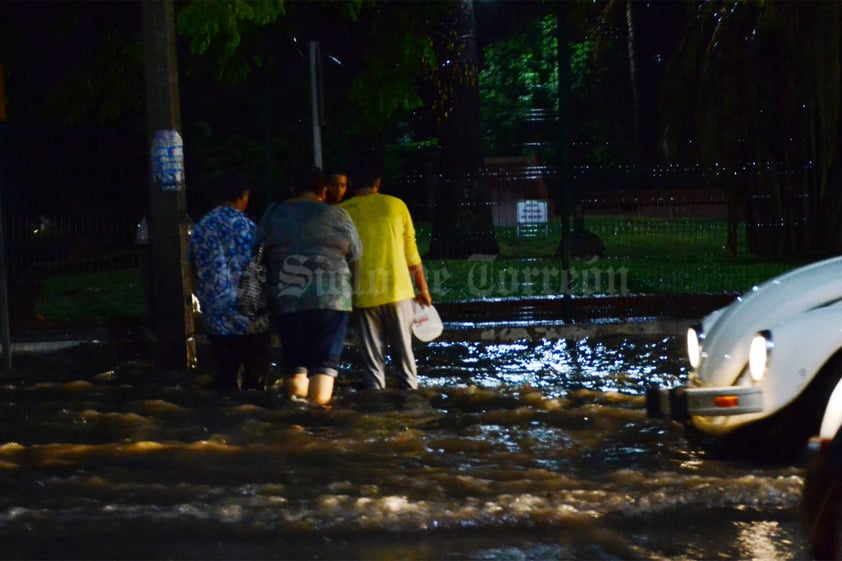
column 310, row 248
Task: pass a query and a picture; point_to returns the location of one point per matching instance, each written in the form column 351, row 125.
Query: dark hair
column 365, row 177
column 368, row 158
column 308, row 179
column 232, row 185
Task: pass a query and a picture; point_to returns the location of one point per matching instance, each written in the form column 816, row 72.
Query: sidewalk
column 496, row 320
column 53, row 340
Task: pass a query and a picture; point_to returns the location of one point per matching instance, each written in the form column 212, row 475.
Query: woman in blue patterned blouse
column 220, row 247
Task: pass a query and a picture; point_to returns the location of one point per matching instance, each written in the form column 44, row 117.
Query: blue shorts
column 312, row 341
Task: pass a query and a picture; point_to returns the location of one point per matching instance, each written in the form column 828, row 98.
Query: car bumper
column 681, row 403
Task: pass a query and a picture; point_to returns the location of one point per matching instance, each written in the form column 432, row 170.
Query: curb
column 501, row 320
column 499, row 333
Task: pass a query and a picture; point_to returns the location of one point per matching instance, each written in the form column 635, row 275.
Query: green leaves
column 204, row 22
column 217, row 28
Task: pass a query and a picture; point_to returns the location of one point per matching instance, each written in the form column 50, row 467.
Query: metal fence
column 73, row 199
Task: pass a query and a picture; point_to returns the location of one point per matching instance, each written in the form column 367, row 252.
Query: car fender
column 801, row 348
column 709, row 321
column 776, row 302
column 832, row 419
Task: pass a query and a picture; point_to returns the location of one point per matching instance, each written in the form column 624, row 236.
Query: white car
column 763, row 367
column 822, row 498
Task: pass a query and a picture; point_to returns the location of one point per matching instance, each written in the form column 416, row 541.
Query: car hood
column 727, row 340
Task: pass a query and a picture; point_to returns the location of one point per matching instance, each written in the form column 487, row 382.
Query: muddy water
column 531, row 449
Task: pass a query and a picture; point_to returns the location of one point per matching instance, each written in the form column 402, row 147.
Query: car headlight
column 758, row 354
column 695, row 336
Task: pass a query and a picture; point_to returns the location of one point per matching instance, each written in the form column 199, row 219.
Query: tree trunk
column 463, row 225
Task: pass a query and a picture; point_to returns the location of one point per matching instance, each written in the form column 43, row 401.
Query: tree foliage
column 387, row 53
column 79, row 65
column 396, row 56
column 754, row 94
column 105, row 86
column 203, row 23
column 519, row 73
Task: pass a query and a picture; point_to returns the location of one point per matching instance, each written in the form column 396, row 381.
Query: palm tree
column 753, row 94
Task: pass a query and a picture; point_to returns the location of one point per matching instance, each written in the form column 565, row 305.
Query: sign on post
column 531, row 218
column 168, row 160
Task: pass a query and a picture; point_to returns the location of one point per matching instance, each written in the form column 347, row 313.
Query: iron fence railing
column 67, row 245
column 72, row 203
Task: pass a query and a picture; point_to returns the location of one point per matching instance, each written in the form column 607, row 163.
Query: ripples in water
column 521, row 450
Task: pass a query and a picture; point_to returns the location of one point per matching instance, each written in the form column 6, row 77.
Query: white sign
column 531, row 212
column 168, row 160
column 531, row 218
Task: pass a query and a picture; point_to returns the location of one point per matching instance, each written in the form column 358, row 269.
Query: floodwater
column 527, row 449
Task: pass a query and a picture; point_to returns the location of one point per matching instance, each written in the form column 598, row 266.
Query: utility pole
column 316, row 101
column 171, row 290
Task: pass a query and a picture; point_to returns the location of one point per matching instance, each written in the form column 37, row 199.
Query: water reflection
column 557, row 366
column 527, row 449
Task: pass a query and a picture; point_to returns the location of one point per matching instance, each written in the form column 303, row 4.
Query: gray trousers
column 377, row 325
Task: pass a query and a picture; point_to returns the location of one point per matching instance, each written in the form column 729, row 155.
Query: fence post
column 565, row 118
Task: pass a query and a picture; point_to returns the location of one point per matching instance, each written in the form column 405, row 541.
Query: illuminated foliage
column 519, row 74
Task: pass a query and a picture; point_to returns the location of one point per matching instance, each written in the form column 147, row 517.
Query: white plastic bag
column 427, row 324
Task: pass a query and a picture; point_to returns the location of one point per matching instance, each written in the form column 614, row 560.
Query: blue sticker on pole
column 168, row 160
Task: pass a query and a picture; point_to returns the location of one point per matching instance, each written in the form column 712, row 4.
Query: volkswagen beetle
column 763, row 367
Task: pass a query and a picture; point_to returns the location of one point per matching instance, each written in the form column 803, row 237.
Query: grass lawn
column 91, row 297
column 643, row 256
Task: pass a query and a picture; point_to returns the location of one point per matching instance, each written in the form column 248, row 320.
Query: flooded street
column 510, row 450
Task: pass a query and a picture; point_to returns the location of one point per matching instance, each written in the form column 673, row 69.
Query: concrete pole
column 171, row 285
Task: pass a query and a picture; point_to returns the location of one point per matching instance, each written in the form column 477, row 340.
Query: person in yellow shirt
column 389, row 274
